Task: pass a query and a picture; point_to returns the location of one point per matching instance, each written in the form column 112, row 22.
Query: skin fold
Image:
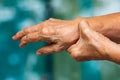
column 64, row 34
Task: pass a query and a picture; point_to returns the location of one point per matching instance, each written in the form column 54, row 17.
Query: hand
column 60, row 34
column 93, row 46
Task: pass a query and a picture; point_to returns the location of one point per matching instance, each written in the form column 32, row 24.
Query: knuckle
column 45, row 31
column 32, row 37
column 24, row 38
column 74, row 55
column 48, row 31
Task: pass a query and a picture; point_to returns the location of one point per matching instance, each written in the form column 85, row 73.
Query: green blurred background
column 23, row 64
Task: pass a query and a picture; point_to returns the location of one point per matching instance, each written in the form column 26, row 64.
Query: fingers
column 49, row 49
column 84, row 30
column 77, row 54
column 79, row 50
column 32, row 37
column 91, row 45
column 32, row 34
column 24, row 32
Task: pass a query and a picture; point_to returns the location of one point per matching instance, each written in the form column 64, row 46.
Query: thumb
column 85, row 30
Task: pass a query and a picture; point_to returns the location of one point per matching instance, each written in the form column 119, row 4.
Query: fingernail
column 13, row 37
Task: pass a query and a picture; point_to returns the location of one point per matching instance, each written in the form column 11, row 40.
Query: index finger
column 24, row 32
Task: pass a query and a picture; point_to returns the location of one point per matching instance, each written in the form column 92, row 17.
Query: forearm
column 94, row 46
column 108, row 25
column 113, row 51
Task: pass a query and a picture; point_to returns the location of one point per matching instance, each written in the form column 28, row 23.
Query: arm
column 108, row 25
column 94, row 46
column 54, row 31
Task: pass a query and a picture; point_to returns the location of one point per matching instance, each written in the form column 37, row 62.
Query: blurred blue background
column 23, row 64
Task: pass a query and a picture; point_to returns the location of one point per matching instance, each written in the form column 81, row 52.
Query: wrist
column 93, row 22
column 114, row 53
column 79, row 19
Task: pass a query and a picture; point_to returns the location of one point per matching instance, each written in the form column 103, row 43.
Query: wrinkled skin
column 60, row 34
column 83, row 43
column 93, row 46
